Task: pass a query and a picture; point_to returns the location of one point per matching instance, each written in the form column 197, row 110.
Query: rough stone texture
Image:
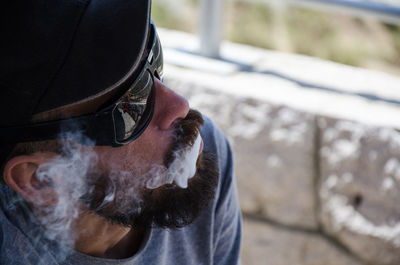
column 271, row 245
column 360, row 188
column 349, row 187
column 275, row 164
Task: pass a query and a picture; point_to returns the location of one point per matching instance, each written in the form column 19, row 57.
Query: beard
column 128, row 202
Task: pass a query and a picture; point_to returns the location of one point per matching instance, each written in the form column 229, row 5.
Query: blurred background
column 308, row 92
column 335, row 32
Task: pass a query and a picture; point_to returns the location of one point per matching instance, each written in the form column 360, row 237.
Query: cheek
column 138, row 156
column 119, row 159
column 153, row 144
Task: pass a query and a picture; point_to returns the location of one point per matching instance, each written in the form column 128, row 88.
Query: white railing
column 212, row 13
column 211, row 27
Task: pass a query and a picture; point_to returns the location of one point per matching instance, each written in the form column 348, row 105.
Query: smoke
column 182, row 168
column 66, row 175
column 123, row 196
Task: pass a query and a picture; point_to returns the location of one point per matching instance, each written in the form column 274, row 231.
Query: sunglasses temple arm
column 62, row 129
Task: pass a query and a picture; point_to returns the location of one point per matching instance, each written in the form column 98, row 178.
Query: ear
column 20, row 175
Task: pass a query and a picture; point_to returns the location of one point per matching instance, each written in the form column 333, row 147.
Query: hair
column 28, row 148
column 34, row 147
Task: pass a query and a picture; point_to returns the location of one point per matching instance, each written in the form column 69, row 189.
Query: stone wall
column 313, row 189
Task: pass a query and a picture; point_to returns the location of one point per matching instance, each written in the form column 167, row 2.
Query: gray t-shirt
column 214, row 238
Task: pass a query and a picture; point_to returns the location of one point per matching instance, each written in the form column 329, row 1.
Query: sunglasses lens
column 158, row 58
column 134, row 110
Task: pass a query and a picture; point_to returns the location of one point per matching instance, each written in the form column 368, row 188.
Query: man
column 101, row 162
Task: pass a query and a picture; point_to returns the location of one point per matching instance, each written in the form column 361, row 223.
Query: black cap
column 58, row 52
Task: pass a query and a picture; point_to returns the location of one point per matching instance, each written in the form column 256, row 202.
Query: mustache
column 186, row 132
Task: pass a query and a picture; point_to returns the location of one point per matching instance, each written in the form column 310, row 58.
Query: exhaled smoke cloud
column 66, row 174
column 118, row 195
column 182, row 168
column 181, row 159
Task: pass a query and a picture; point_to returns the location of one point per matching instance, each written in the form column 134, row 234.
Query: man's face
column 120, row 184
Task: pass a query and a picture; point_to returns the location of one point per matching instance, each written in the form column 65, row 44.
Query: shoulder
column 226, row 236
column 9, row 233
column 211, row 131
column 216, row 142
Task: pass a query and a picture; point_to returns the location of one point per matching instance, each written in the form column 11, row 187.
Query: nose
column 169, row 106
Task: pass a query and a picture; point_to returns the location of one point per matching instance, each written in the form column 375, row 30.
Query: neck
column 100, row 238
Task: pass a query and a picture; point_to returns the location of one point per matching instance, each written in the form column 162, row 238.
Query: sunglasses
column 114, row 125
